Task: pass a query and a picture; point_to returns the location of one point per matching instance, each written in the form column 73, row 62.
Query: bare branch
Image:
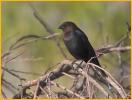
column 65, row 67
column 48, row 29
column 64, row 88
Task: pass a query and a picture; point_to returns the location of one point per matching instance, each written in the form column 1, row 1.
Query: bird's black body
column 78, row 45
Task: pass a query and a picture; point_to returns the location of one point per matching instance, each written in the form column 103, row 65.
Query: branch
column 66, row 66
column 52, row 75
column 69, row 91
column 112, row 81
column 48, row 29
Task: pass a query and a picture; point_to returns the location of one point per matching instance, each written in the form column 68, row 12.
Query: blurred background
column 103, row 22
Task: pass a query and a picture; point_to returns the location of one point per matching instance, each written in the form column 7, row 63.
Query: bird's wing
column 89, row 48
column 82, row 35
column 86, row 42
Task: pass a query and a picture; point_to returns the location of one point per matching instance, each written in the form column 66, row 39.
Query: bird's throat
column 68, row 35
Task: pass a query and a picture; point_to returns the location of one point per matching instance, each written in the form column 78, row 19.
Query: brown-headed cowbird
column 78, row 44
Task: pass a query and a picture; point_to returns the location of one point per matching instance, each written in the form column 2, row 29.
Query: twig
column 68, row 75
column 48, row 29
column 14, row 58
column 64, row 88
column 3, row 94
column 45, row 92
column 15, row 75
column 8, row 87
column 94, row 82
column 112, row 81
column 106, row 50
column 37, row 87
column 10, row 84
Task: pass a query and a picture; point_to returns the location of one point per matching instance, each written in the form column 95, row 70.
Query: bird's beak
column 61, row 27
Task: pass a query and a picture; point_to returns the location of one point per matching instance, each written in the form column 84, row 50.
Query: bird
column 78, row 45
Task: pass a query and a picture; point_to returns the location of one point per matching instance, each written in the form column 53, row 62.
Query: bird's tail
column 101, row 76
column 99, row 73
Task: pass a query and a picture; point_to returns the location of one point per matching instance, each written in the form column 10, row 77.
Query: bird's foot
column 77, row 65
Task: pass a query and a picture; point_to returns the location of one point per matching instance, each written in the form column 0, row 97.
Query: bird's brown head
column 67, row 27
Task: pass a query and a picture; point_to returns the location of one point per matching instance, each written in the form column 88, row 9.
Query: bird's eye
column 64, row 26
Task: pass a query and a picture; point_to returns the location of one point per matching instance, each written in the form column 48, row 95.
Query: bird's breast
column 71, row 42
column 75, row 47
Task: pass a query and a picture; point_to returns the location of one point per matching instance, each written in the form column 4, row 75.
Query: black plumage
column 78, row 44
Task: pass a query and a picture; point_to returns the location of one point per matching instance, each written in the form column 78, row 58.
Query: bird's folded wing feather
column 85, row 42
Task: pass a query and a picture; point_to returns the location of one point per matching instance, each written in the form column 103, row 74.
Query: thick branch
column 66, row 66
